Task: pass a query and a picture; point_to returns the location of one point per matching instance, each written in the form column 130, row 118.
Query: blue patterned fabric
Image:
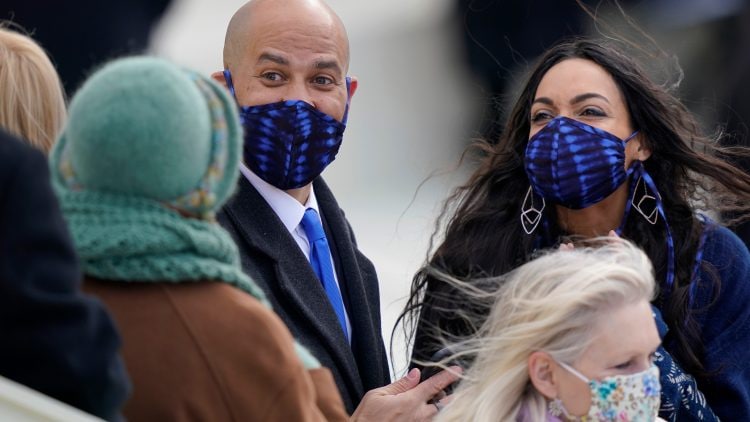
column 681, row 400
column 574, row 164
column 578, row 165
column 289, row 143
column 650, row 193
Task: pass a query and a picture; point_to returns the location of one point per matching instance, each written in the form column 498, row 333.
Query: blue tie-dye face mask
column 289, row 143
column 574, row 164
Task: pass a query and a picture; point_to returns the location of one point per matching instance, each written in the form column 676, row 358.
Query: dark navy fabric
column 56, row 340
column 272, row 258
column 721, row 310
column 289, row 143
column 574, row 164
column 723, row 314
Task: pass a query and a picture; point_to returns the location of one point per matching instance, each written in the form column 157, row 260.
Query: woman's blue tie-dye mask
column 289, row 143
column 574, row 164
column 577, row 165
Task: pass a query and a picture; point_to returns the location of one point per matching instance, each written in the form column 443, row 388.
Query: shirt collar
column 289, row 210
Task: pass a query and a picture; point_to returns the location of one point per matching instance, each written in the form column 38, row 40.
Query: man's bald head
column 278, row 50
column 257, row 15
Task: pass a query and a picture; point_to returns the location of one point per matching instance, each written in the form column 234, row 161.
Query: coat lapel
column 354, row 274
column 295, row 280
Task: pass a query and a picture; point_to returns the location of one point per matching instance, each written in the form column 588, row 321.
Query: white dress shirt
column 290, row 212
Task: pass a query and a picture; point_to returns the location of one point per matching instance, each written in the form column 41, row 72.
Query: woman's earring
column 646, row 203
column 530, row 216
column 556, row 408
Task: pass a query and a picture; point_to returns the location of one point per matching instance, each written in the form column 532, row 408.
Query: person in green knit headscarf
column 149, row 154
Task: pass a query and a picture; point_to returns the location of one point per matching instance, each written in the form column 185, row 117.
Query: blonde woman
column 32, row 104
column 571, row 336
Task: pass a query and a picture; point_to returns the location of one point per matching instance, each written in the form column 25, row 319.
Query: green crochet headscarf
column 149, row 154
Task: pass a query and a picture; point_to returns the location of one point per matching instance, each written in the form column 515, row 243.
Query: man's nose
column 299, row 91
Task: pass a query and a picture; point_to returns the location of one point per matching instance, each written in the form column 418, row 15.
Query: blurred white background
column 410, row 120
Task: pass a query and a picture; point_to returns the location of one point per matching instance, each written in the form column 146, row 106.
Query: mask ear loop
column 637, row 169
column 574, row 372
column 228, row 79
column 348, row 97
column 631, row 191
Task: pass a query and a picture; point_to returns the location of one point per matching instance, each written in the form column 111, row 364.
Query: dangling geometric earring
column 641, row 205
column 530, row 216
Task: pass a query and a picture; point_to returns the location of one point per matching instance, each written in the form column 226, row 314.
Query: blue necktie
column 320, row 259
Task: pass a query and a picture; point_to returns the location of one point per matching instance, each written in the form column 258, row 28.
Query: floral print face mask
column 622, row 398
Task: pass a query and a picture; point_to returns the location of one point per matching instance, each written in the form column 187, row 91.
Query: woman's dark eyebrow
column 543, row 100
column 583, row 97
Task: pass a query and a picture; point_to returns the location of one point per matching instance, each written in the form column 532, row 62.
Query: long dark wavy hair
column 483, row 234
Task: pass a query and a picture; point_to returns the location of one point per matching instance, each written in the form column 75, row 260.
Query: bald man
column 286, row 63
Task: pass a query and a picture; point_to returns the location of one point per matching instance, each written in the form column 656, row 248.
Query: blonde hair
column 32, row 105
column 550, row 304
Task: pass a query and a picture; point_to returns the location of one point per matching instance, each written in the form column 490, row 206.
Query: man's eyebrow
column 328, row 64
column 583, row 97
column 273, row 58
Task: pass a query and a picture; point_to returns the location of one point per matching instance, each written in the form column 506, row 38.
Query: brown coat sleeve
column 328, row 397
column 208, row 351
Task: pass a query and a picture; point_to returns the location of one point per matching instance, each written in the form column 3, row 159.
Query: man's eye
column 272, row 76
column 322, row 80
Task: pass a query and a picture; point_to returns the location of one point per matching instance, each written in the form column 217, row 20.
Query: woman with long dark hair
column 591, row 146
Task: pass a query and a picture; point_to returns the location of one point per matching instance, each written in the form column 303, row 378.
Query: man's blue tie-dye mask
column 289, row 143
column 574, row 164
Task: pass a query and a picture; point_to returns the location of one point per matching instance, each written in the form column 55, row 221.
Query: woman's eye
column 595, row 112
column 622, row 366
column 540, row 115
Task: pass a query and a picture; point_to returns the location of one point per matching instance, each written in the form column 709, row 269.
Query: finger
column 445, row 401
column 403, row 385
column 435, row 384
column 426, row 412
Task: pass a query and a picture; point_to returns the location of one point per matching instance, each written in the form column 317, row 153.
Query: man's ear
column 540, row 366
column 353, row 84
column 218, row 76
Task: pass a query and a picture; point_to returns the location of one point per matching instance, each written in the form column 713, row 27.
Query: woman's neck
column 596, row 220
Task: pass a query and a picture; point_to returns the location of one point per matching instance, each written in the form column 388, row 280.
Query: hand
column 566, row 247
column 406, row 399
